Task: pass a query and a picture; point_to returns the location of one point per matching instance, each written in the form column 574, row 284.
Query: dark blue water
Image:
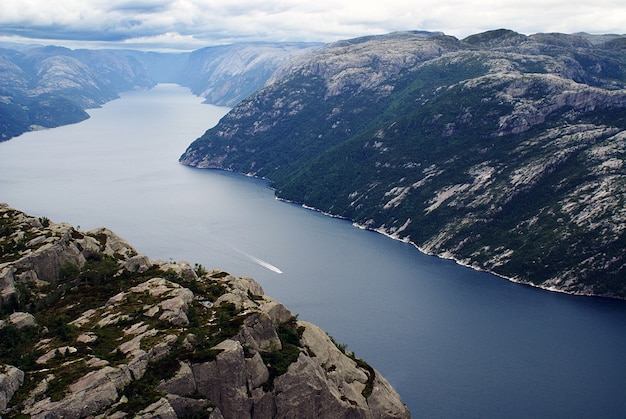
column 452, row 341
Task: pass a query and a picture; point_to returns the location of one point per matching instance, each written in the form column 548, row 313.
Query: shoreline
column 451, row 258
column 408, row 241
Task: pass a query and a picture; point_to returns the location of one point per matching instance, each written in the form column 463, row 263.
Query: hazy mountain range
column 44, row 87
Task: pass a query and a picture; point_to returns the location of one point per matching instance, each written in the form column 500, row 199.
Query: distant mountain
column 44, row 87
column 503, row 151
column 224, row 75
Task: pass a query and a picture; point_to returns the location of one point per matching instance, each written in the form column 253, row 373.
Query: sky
column 192, row 24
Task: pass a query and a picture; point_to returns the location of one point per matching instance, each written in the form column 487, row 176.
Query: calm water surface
column 453, row 342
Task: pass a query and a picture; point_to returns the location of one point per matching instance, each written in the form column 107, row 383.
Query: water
column 452, row 341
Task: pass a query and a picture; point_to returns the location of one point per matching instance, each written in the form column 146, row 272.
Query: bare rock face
column 11, row 379
column 89, row 395
column 159, row 409
column 223, row 381
column 124, row 336
column 20, row 320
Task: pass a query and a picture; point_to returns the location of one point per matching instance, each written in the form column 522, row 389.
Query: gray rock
column 256, row 371
column 114, row 244
column 160, row 409
column 21, row 320
column 139, row 263
column 223, row 381
column 186, row 406
column 304, row 392
column 11, row 379
column 277, row 312
column 91, row 394
column 259, row 333
column 182, row 384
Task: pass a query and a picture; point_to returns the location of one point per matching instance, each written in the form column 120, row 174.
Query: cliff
column 502, row 151
column 91, row 328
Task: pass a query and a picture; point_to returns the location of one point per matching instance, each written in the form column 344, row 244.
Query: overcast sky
column 192, row 24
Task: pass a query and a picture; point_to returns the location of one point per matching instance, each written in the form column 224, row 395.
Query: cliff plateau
column 90, row 328
column 502, row 151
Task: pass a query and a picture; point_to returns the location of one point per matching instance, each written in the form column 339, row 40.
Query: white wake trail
column 258, row 261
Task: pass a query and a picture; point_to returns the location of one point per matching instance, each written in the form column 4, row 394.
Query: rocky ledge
column 90, row 328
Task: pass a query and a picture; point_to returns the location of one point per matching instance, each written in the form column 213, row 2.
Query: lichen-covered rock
column 259, row 333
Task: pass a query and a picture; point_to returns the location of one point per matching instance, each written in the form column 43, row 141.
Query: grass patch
column 142, row 393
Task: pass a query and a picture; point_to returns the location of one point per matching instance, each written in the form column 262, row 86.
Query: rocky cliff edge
column 90, row 328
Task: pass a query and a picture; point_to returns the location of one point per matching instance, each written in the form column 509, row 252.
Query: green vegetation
column 17, row 346
column 278, row 361
column 142, row 393
column 80, row 289
column 495, row 103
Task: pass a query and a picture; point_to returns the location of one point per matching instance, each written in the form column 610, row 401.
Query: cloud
column 196, row 23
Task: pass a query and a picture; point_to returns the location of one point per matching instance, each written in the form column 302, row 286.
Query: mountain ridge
column 502, row 151
column 49, row 86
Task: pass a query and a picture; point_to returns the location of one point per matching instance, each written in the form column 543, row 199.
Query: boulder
column 88, row 396
column 113, row 244
column 277, row 312
column 304, row 392
column 159, row 409
column 259, row 333
column 21, row 320
column 139, row 263
column 188, row 407
column 11, row 378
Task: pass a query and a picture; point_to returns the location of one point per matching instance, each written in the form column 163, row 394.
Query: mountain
column 89, row 327
column 45, row 87
column 224, row 75
column 503, row 151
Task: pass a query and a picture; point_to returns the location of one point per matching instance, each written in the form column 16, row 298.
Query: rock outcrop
column 115, row 334
column 11, row 379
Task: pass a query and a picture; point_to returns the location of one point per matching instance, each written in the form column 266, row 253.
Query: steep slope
column 503, row 151
column 226, row 74
column 89, row 327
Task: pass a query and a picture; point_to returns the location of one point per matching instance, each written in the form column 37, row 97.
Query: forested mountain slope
column 501, row 150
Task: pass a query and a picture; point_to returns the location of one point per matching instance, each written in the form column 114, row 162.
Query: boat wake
column 260, row 262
